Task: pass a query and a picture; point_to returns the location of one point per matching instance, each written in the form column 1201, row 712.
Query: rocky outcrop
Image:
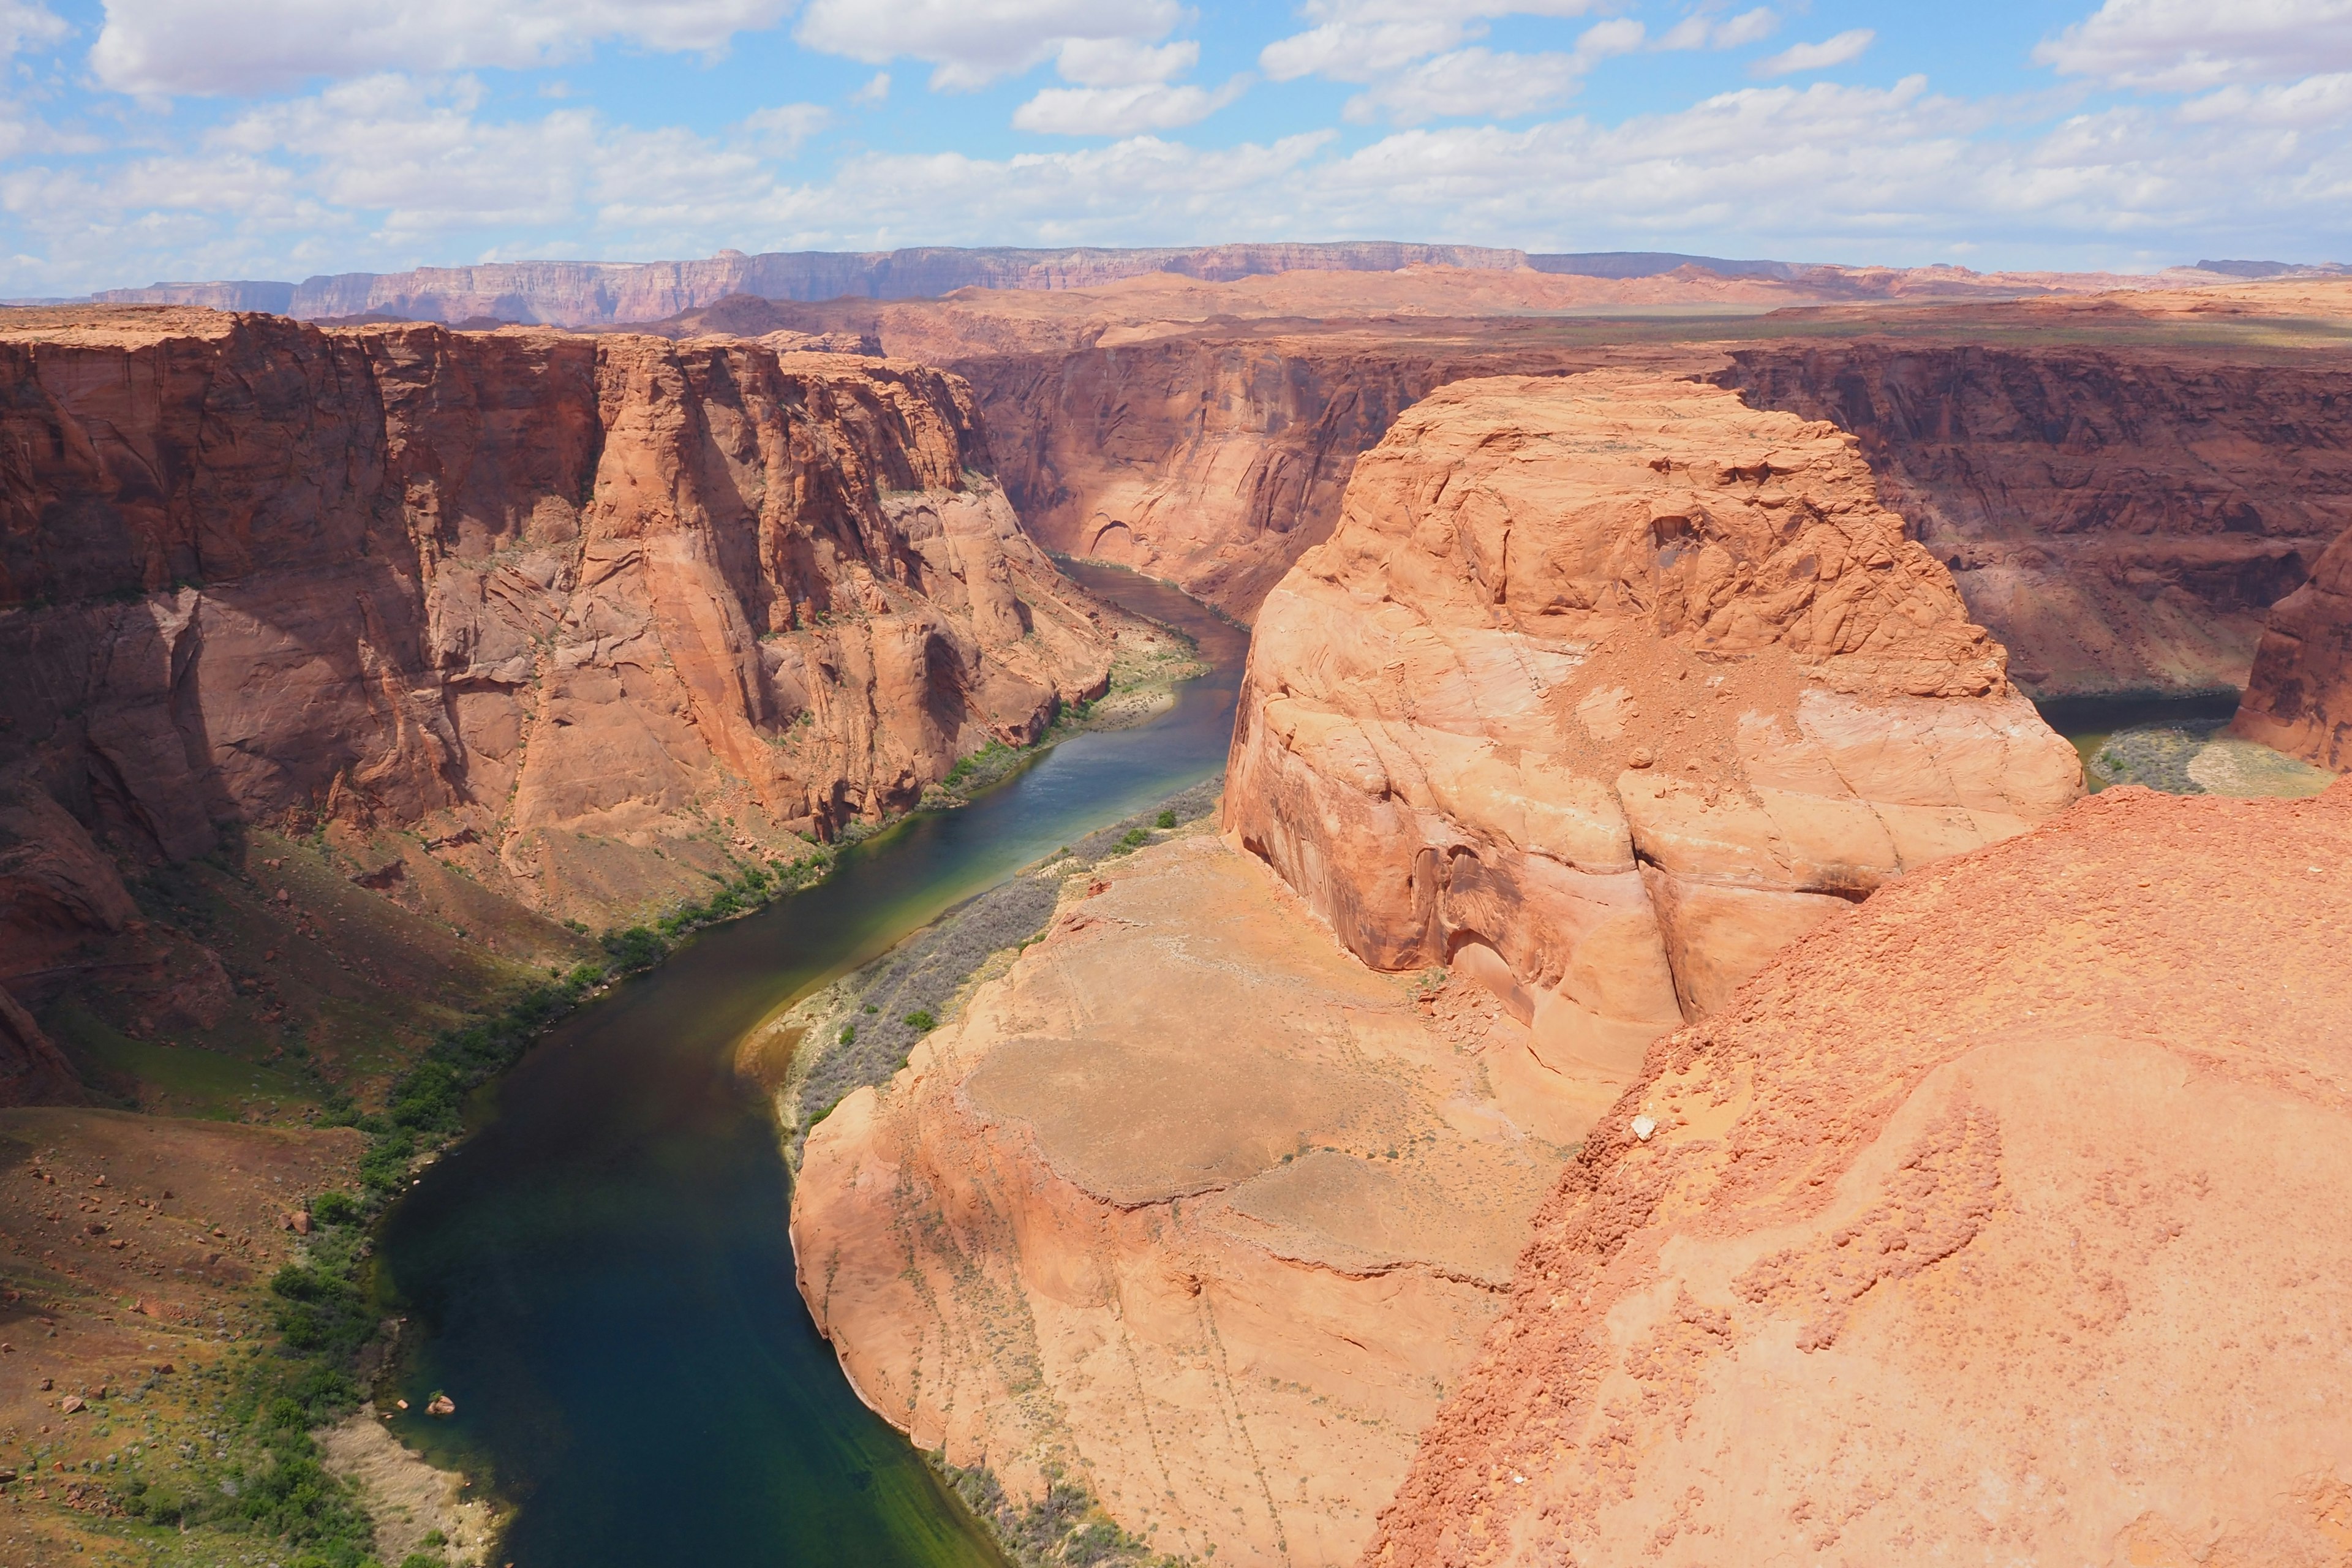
column 1214, row 461
column 1606, row 687
column 1982, row 1222
column 2299, row 698
column 1188, row 1208
column 591, row 616
column 2121, row 517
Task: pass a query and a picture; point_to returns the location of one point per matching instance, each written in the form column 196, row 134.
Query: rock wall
column 1982, row 1221
column 589, row 615
column 2121, row 517
column 1213, row 462
column 1607, row 687
column 1187, row 1206
column 2299, row 698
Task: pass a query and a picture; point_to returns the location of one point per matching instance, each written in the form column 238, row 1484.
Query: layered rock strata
column 2299, row 698
column 1213, row 461
column 2122, row 518
column 1980, row 1225
column 1187, row 1206
column 582, row 618
column 1606, row 687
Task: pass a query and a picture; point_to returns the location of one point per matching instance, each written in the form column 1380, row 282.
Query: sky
column 142, row 140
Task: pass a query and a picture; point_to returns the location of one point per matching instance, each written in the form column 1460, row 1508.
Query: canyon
column 1604, row 688
column 1652, row 962
column 2122, row 485
column 526, row 628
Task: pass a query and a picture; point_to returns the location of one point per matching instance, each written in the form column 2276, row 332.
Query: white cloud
column 26, row 22
column 1704, row 32
column 1498, row 86
column 159, row 47
column 1357, row 40
column 971, row 42
column 778, row 132
column 1120, row 110
column 875, row 90
column 2185, row 45
column 1837, row 51
column 2313, row 104
column 1123, row 62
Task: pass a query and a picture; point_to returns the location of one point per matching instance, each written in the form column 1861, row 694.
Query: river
column 600, row 1276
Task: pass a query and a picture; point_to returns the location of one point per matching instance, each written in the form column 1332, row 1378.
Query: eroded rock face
column 1983, row 1219
column 2121, row 517
column 1606, row 687
column 591, row 614
column 2299, row 698
column 1191, row 1205
column 1212, row 462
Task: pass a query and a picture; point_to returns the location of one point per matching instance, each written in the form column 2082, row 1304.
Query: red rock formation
column 1214, row 461
column 569, row 601
column 1189, row 1204
column 2299, row 698
column 2120, row 516
column 1607, row 687
column 1991, row 1222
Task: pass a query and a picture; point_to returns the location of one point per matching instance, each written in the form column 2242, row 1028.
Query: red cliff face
column 1214, row 462
column 2299, row 698
column 2122, row 518
column 566, row 600
column 1608, row 686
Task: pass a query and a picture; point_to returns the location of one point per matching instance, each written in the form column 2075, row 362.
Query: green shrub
column 1165, row 819
column 922, row 1021
column 335, row 1208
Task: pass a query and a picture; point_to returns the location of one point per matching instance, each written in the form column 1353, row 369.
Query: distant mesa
column 589, row 293
column 2276, row 268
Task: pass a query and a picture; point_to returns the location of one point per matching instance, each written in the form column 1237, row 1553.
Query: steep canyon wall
column 588, row 619
column 2121, row 519
column 1213, row 461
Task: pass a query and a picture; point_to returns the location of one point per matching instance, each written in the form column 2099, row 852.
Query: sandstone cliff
column 592, row 617
column 2121, row 516
column 1607, row 687
column 1212, row 460
column 2299, row 698
column 1982, row 1226
column 1189, row 1206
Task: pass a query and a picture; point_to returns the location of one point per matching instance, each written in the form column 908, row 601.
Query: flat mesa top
column 110, row 326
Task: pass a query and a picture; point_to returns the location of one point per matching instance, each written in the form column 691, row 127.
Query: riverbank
column 613, row 1229
column 859, row 1029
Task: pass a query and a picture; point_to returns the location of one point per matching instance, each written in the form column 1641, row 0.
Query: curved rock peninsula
column 1188, row 1208
column 1982, row 1223
column 1606, row 687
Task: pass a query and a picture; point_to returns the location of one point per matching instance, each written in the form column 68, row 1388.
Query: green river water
column 600, row 1275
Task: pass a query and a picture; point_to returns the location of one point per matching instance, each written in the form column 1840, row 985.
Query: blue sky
column 148, row 139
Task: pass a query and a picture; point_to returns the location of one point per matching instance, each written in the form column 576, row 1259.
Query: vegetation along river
column 600, row 1276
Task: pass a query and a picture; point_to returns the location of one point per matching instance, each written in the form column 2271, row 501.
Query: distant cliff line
column 590, row 293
